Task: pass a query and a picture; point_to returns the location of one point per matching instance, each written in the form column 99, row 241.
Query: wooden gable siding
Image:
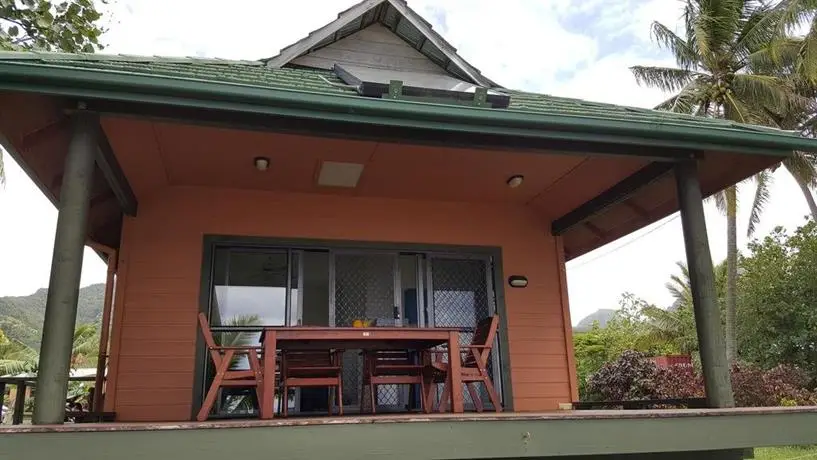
column 155, row 327
column 374, row 46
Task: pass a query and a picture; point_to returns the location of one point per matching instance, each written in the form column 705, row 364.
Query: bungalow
column 365, row 172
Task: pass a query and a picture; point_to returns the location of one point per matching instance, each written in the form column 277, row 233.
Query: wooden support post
column 711, row 341
column 107, row 306
column 66, row 266
column 19, row 403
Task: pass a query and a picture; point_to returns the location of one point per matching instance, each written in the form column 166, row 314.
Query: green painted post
column 66, row 266
column 711, row 341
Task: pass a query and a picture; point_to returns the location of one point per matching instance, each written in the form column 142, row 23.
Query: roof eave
column 209, row 95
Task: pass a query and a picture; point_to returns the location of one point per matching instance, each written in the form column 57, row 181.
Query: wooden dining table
column 356, row 338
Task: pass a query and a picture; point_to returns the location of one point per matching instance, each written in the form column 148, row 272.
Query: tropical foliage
column 737, row 60
column 17, row 357
column 633, row 376
column 777, row 327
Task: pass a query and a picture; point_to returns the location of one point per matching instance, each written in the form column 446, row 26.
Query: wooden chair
column 474, row 368
column 312, row 369
column 391, row 368
column 222, row 357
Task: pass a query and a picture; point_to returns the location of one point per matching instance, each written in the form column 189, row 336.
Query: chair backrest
column 206, row 332
column 306, row 359
column 392, row 358
column 484, row 336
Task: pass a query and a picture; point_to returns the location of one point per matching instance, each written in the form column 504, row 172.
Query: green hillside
column 21, row 318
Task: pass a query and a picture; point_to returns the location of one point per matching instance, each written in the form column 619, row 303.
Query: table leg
column 455, row 372
column 19, row 404
column 2, row 399
column 268, row 385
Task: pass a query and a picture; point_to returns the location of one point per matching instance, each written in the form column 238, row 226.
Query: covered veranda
column 140, row 158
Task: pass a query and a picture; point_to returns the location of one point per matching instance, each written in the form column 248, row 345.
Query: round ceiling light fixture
column 261, row 163
column 515, row 181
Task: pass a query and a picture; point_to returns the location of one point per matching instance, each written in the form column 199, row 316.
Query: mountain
column 21, row 318
column 602, row 316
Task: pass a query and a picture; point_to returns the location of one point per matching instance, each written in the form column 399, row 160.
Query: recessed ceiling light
column 515, row 181
column 336, row 174
column 261, row 163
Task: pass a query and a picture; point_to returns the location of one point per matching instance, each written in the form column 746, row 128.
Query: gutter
column 208, row 95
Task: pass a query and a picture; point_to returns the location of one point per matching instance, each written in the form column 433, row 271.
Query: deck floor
column 404, row 418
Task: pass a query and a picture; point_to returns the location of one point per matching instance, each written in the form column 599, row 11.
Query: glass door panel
column 249, row 289
column 461, row 294
column 365, row 287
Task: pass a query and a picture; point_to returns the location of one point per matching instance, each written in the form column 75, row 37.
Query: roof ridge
column 99, row 57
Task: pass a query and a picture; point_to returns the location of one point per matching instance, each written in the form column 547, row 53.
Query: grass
column 786, row 453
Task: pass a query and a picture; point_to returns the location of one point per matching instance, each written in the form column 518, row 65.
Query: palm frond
column 803, row 167
column 780, row 53
column 760, row 26
column 665, row 78
column 685, row 55
column 720, row 201
column 756, row 91
column 16, row 357
column 763, row 181
column 807, row 67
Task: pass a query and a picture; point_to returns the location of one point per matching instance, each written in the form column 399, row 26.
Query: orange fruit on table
column 357, row 323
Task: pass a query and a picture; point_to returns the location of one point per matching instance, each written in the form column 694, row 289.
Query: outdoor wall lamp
column 261, row 163
column 518, row 281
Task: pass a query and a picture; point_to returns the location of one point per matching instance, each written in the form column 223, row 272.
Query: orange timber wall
column 154, row 335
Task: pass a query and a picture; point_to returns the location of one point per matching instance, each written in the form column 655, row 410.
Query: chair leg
column 340, row 396
column 422, row 395
column 492, row 394
column 285, row 396
column 446, row 396
column 372, row 398
column 210, row 399
column 472, row 390
column 429, row 395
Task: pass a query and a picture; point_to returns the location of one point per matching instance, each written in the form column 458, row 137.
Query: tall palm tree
column 720, row 74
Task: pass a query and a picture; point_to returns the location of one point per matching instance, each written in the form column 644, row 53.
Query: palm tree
column 676, row 325
column 721, row 61
column 85, row 347
column 15, row 356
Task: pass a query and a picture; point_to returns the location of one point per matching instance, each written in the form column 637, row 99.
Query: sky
column 571, row 48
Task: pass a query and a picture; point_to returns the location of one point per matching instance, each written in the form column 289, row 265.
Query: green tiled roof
column 257, row 75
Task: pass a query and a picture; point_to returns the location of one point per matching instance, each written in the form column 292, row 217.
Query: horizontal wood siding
column 156, row 330
column 374, row 46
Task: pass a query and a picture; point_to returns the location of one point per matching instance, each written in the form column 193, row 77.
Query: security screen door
column 366, row 287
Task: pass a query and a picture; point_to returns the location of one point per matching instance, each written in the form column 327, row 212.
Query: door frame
column 210, row 242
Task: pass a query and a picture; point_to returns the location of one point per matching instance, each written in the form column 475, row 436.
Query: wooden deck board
column 407, row 418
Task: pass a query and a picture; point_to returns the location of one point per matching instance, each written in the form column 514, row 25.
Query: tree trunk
column 731, row 272
column 809, row 198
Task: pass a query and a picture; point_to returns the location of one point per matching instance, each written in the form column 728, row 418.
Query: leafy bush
column 678, row 382
column 783, row 385
column 634, row 377
column 629, row 377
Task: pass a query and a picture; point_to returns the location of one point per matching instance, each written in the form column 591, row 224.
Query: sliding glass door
column 320, row 286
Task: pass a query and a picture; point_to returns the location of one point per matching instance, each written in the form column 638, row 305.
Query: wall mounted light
column 515, row 181
column 517, row 281
column 261, row 163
